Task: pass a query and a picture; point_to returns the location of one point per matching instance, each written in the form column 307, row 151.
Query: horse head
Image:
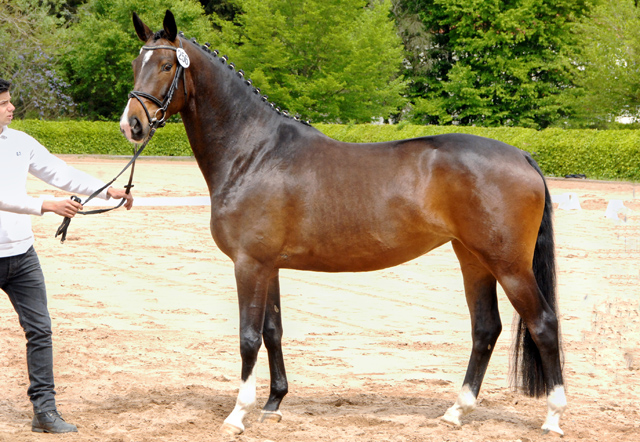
column 160, row 83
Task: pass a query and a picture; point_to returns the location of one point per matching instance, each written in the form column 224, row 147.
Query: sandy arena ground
column 146, row 347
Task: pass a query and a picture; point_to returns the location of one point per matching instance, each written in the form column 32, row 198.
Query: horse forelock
column 159, row 35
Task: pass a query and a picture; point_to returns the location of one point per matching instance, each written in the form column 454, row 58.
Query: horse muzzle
column 132, row 127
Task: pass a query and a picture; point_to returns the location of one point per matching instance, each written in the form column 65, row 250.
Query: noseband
column 183, row 62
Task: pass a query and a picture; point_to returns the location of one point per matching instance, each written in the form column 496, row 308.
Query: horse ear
column 170, row 28
column 143, row 31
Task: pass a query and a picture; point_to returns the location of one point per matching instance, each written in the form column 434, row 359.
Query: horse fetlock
column 454, row 413
column 556, row 404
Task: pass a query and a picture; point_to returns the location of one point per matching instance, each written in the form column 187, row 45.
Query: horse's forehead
column 146, row 57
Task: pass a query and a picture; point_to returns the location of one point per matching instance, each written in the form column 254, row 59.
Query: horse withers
column 283, row 195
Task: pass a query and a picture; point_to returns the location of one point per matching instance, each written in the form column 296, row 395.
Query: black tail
column 527, row 363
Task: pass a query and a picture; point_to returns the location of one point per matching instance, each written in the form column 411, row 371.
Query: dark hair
column 4, row 85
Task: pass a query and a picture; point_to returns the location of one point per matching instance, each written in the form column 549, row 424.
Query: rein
column 154, row 124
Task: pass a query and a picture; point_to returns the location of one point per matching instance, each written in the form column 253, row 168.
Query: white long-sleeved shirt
column 21, row 154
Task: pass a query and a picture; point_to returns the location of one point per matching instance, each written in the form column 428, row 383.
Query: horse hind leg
column 272, row 335
column 480, row 291
column 537, row 356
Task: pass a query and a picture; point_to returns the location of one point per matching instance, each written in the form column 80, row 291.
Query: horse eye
column 167, row 67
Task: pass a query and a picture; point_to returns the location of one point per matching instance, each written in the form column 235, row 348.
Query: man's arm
column 54, row 171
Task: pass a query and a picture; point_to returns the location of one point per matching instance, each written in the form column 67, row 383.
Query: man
column 21, row 276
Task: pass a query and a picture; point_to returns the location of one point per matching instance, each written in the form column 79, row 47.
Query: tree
column 417, row 42
column 97, row 51
column 223, row 9
column 26, row 37
column 328, row 60
column 607, row 64
column 495, row 62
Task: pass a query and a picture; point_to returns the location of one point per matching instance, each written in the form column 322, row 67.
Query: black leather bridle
column 154, row 124
column 164, row 104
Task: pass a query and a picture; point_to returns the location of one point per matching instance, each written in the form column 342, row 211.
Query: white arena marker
column 567, row 201
column 615, row 208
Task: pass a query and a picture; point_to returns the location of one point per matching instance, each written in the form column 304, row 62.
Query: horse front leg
column 272, row 334
column 252, row 281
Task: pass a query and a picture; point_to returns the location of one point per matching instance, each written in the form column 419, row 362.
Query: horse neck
column 222, row 116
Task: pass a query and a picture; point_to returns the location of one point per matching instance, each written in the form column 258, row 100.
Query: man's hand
column 67, row 208
column 119, row 194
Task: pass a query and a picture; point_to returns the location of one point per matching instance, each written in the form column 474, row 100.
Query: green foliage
column 27, row 36
column 612, row 154
column 97, row 52
column 224, row 9
column 607, row 65
column 494, row 62
column 328, row 60
column 101, row 138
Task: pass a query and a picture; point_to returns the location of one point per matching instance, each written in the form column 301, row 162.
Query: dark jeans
column 22, row 279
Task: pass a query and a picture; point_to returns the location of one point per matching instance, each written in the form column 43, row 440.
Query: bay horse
column 283, row 195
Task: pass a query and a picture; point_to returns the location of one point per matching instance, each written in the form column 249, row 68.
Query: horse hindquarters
column 513, row 241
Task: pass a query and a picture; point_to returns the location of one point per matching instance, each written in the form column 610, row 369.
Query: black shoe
column 51, row 422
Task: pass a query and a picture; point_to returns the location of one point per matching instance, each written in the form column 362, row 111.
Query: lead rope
column 62, row 230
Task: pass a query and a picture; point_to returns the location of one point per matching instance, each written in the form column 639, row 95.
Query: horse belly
column 357, row 251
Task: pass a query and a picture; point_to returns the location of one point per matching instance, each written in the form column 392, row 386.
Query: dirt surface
column 146, row 347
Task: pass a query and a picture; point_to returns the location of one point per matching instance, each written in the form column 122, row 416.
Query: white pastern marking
column 556, row 404
column 245, row 402
column 465, row 404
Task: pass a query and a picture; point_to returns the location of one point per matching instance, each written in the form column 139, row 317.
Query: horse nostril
column 136, row 127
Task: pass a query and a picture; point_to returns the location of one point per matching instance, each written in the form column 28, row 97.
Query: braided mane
column 213, row 55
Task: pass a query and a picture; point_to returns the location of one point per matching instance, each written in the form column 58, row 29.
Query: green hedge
column 613, row 154
column 101, row 137
column 599, row 154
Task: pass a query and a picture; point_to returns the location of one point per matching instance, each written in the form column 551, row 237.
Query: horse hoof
column 452, row 420
column 230, row 430
column 553, row 432
column 270, row 416
column 452, row 416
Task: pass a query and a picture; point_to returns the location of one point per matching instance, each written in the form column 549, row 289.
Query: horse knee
column 250, row 345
